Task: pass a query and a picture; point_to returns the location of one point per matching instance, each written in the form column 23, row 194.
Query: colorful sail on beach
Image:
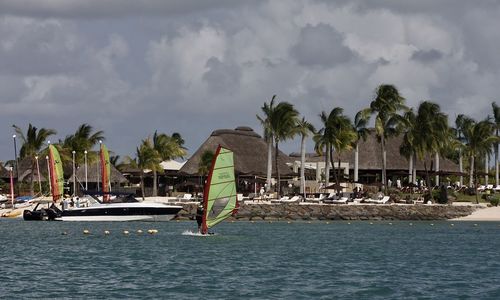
column 56, row 173
column 219, row 199
column 105, row 172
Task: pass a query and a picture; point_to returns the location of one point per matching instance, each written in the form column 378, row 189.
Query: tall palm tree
column 268, row 110
column 32, row 144
column 431, row 135
column 461, row 122
column 496, row 120
column 146, row 157
column 303, row 128
column 386, row 105
column 407, row 148
column 345, row 137
column 167, row 148
column 360, row 126
column 205, row 162
column 279, row 123
column 478, row 141
column 336, row 131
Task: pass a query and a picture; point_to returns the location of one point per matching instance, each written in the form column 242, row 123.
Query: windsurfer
column 199, row 216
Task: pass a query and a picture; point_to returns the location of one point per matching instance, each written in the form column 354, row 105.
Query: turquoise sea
column 245, row 260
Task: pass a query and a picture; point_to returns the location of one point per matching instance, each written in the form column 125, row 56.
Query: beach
column 484, row 214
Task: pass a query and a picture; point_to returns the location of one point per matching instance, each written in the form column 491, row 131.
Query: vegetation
column 32, row 143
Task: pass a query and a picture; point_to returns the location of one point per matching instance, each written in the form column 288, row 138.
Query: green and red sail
column 105, row 172
column 56, row 173
column 219, row 198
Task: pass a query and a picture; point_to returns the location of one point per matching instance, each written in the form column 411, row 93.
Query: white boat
column 122, row 211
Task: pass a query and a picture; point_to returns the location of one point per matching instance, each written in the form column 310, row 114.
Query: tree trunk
column 384, row 163
column 32, row 179
column 414, row 167
column 410, row 168
column 471, row 181
column 155, row 188
column 437, row 168
column 302, row 166
column 356, row 163
column 269, row 164
column 332, row 162
column 327, row 165
column 461, row 166
column 142, row 184
column 486, row 169
column 278, row 184
column 496, row 164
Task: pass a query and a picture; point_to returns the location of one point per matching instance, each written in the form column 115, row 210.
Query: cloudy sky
column 131, row 67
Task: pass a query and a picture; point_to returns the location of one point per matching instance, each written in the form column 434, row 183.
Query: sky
column 130, row 67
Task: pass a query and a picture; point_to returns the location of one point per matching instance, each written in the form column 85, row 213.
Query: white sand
column 484, row 214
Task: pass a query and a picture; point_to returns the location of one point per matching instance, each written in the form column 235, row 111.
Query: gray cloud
column 132, row 67
column 427, row 56
column 320, row 45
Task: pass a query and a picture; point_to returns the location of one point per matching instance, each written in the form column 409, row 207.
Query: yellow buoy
column 289, row 222
column 139, row 231
column 327, row 222
column 150, row 231
column 86, row 231
column 106, row 232
column 125, row 232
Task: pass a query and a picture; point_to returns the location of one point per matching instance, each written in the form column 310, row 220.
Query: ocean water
column 245, row 260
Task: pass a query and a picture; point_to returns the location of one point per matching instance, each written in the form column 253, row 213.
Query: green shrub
column 494, row 201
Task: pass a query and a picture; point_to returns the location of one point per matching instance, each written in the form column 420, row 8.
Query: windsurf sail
column 56, row 173
column 105, row 172
column 219, row 198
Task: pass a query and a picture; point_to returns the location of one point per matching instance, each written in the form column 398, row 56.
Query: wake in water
column 196, row 233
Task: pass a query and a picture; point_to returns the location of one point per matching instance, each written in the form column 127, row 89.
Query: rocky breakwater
column 274, row 212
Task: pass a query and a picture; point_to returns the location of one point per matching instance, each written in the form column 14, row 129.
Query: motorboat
column 123, row 207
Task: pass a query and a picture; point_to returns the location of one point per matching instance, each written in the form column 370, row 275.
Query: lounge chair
column 342, row 200
column 384, row 200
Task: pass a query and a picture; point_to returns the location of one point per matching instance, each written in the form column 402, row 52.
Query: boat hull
column 122, row 212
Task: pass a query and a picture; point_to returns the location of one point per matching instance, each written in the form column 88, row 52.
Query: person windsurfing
column 199, row 217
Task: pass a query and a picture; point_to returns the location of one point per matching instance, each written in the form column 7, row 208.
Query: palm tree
column 408, row 144
column 84, row 139
column 386, row 105
column 336, row 131
column 167, row 148
column 205, row 162
column 478, row 141
column 303, row 128
column 461, row 122
column 146, row 157
column 360, row 126
column 345, row 137
column 496, row 120
column 279, row 124
column 431, row 133
column 32, row 144
column 268, row 110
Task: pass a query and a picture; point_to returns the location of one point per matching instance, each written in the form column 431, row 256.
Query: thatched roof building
column 94, row 174
column 250, row 152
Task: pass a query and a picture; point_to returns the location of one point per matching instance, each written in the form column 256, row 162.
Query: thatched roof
column 94, row 174
column 370, row 156
column 250, row 152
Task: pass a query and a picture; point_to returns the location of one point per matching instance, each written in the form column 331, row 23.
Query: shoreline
column 259, row 211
